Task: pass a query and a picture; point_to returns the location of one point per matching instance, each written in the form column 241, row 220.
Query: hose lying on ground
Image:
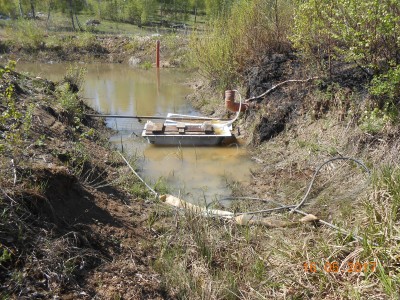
column 249, row 218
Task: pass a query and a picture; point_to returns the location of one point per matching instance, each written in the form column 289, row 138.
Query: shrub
column 387, row 85
column 86, row 40
column 234, row 42
column 28, row 34
column 75, row 77
column 361, row 31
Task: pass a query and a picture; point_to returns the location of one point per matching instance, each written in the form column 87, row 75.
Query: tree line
column 131, row 11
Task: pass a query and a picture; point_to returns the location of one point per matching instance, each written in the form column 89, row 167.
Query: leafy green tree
column 132, row 12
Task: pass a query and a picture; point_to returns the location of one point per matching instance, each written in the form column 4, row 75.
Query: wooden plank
column 193, row 128
column 158, row 127
column 171, row 128
column 180, row 125
column 208, row 127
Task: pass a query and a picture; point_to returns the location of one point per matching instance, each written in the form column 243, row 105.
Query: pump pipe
column 233, row 106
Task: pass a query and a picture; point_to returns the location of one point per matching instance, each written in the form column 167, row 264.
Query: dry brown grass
column 202, row 258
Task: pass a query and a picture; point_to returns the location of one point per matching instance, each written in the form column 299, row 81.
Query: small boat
column 185, row 130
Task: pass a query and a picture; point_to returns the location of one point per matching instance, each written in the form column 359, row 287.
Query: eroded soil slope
column 69, row 226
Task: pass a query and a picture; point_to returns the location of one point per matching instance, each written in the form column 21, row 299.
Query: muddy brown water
column 197, row 174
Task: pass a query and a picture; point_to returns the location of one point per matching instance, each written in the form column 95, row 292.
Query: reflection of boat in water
column 187, row 130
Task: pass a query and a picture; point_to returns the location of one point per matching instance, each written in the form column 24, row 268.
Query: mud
column 291, row 100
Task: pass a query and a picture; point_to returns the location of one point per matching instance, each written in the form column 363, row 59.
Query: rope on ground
column 137, row 175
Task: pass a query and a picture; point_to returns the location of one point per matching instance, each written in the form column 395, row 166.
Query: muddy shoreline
column 137, row 51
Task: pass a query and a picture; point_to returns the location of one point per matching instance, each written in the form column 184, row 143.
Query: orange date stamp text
column 335, row 267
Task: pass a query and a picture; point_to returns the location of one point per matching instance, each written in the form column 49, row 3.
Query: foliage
column 146, row 65
column 252, row 29
column 217, row 8
column 75, row 76
column 143, row 11
column 85, row 40
column 148, row 9
column 67, row 94
column 28, row 34
column 387, row 85
column 373, row 121
column 7, row 7
column 69, row 101
column 385, row 89
column 363, row 31
column 14, row 123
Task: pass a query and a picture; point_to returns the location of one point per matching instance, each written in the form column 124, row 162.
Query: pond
column 197, row 174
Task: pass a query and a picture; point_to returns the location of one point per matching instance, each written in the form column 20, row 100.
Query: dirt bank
column 71, row 227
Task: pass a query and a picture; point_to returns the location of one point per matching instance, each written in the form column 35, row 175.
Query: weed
column 132, row 46
column 146, row 65
column 374, row 121
column 75, row 77
column 86, row 40
column 139, row 190
column 161, row 186
column 152, row 219
column 5, row 256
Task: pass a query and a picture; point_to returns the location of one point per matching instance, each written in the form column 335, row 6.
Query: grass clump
column 383, row 227
column 67, row 94
column 234, row 41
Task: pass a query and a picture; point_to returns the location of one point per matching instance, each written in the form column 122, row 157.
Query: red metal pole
column 158, row 54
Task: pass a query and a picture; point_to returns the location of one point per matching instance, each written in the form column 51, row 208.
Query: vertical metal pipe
column 230, row 103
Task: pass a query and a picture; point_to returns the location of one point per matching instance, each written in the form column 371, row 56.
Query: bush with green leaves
column 387, row 85
column 360, row 31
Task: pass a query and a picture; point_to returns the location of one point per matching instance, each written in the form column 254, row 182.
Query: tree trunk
column 77, row 22
column 20, row 9
column 33, row 9
column 71, row 13
column 48, row 13
column 99, row 1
